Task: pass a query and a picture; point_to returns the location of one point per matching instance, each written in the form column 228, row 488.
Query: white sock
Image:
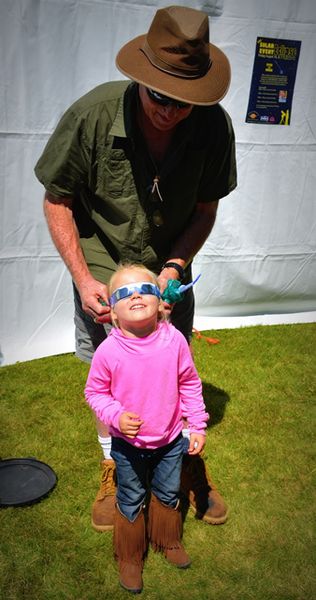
column 105, row 443
column 186, row 433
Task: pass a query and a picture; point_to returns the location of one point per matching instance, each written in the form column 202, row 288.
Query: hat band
column 171, row 69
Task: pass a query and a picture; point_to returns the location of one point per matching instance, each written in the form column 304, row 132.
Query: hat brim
column 206, row 90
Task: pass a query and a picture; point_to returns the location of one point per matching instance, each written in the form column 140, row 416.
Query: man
column 134, row 172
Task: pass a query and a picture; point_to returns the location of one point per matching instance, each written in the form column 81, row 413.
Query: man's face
column 161, row 117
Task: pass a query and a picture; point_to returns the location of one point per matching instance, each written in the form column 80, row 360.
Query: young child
column 142, row 383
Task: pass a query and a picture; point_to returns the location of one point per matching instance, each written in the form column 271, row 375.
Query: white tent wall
column 261, row 256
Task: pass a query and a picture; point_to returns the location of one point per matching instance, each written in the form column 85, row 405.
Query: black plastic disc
column 24, row 481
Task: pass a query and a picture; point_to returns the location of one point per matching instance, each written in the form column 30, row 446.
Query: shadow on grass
column 215, row 401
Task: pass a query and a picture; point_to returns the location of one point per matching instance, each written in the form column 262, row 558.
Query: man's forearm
column 195, row 234
column 64, row 233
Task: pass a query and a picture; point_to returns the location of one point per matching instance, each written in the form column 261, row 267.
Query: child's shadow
column 215, row 401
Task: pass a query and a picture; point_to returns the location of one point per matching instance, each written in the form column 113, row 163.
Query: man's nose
column 170, row 110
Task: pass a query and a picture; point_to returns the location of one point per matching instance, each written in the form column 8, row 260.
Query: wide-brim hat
column 176, row 58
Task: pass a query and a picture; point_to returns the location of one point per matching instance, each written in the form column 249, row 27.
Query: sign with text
column 272, row 83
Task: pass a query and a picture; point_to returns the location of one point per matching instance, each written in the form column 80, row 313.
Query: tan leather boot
column 129, row 541
column 103, row 507
column 165, row 531
column 205, row 501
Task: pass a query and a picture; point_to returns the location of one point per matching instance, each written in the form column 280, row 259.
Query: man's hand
column 163, row 279
column 197, row 443
column 130, row 424
column 166, row 274
column 94, row 299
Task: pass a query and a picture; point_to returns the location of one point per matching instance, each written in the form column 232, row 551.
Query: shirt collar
column 122, row 124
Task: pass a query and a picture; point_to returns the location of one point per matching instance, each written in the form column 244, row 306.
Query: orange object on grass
column 199, row 336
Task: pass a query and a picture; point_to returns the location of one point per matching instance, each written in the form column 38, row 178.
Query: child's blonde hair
column 126, row 266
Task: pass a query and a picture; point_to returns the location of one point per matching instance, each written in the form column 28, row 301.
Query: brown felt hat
column 176, row 59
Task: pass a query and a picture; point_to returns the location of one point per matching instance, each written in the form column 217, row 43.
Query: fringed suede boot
column 165, row 531
column 129, row 542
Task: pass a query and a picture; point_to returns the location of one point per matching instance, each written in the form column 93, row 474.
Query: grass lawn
column 260, row 387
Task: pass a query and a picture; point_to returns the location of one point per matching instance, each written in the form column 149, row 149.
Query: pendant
column 157, row 218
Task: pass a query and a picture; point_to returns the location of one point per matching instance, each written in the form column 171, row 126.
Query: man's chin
column 164, row 125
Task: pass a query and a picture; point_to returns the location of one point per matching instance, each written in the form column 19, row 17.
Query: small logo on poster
column 253, row 116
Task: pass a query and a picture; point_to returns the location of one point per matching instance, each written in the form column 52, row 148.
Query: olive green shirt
column 97, row 156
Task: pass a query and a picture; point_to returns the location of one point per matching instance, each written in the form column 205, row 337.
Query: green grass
column 260, row 387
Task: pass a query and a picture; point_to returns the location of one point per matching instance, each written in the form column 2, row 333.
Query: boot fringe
column 164, row 526
column 129, row 539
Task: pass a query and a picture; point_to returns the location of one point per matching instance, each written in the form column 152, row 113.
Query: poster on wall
column 272, row 83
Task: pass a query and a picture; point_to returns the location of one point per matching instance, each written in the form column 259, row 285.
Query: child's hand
column 130, row 424
column 197, row 443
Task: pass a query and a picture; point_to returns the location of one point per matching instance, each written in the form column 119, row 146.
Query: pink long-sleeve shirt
column 153, row 377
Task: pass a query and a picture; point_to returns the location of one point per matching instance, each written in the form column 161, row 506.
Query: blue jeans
column 140, row 469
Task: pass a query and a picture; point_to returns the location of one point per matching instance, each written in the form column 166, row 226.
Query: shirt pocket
column 115, row 180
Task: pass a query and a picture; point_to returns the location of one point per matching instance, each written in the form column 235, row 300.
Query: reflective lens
column 165, row 100
column 143, row 287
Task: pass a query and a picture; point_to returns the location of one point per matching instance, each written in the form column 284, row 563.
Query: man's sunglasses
column 125, row 291
column 165, row 100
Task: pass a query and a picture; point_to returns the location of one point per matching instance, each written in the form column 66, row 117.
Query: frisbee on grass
column 24, row 481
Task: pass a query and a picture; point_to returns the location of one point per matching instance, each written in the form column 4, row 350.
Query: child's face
column 137, row 314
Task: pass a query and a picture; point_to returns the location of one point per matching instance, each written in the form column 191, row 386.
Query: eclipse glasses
column 174, row 291
column 143, row 287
